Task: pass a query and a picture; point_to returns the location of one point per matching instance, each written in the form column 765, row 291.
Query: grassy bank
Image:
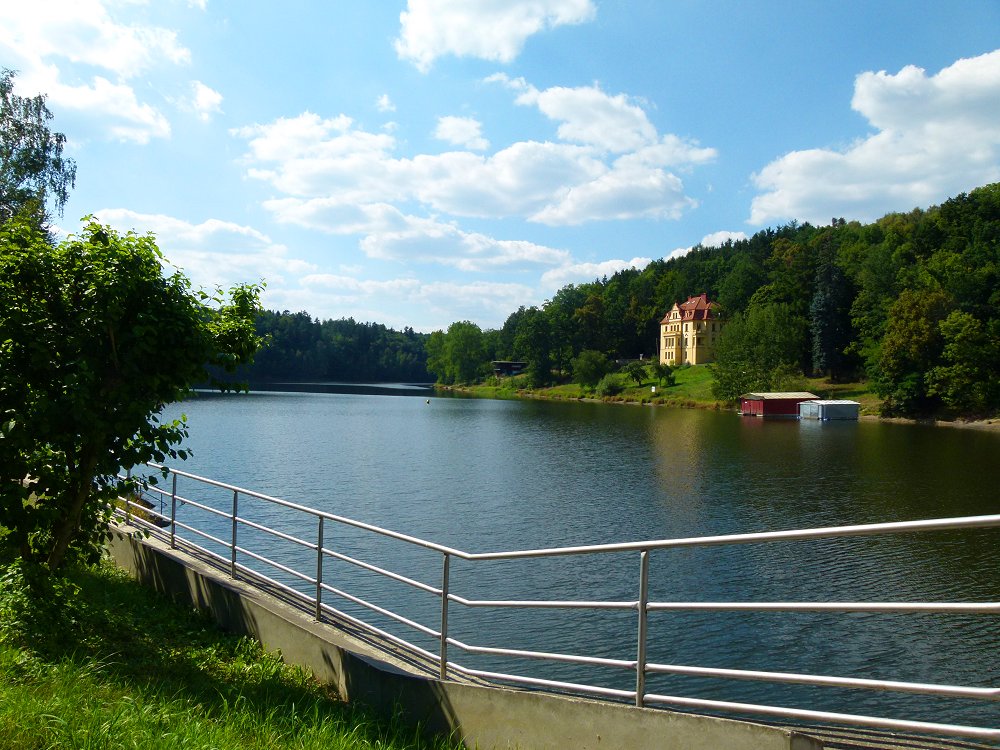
column 692, row 389
column 119, row 666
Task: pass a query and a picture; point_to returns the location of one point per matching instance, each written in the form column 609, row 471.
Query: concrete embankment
column 368, row 670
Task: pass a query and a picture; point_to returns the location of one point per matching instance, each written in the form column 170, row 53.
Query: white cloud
column 461, row 131
column 407, row 301
column 333, row 161
column 589, row 116
column 388, row 234
column 51, row 44
column 384, row 104
column 720, row 238
column 83, row 31
column 213, row 253
column 430, row 241
column 486, row 29
column 628, row 192
column 579, row 273
column 715, row 239
column 205, row 101
column 113, row 107
column 936, row 136
column 331, row 175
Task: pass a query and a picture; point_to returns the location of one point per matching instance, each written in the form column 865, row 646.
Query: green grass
column 121, row 667
column 692, row 389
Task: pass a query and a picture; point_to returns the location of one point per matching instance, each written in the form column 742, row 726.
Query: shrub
column 609, row 386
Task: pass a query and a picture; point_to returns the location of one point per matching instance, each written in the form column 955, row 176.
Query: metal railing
column 313, row 592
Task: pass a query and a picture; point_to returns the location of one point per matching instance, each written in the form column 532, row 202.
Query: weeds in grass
column 122, row 667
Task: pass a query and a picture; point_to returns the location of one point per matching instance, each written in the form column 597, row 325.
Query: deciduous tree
column 590, row 366
column 96, row 336
column 33, row 170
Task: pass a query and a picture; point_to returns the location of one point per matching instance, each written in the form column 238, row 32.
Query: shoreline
column 987, row 425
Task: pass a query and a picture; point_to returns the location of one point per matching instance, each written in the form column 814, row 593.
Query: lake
column 486, row 475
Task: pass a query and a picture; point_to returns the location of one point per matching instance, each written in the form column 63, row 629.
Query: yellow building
column 689, row 331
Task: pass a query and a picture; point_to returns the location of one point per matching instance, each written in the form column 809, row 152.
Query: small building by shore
column 827, row 409
column 778, row 404
column 502, row 368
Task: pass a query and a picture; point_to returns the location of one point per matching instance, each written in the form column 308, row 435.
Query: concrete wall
column 483, row 717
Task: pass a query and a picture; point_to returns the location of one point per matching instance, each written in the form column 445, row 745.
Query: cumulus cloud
column 389, row 234
column 609, row 170
column 579, row 273
column 715, row 239
column 332, row 175
column 50, row 43
column 112, row 107
column 204, row 101
column 461, row 131
column 487, row 29
column 384, row 104
column 625, row 192
column 213, row 253
column 935, row 136
column 426, row 305
column 588, row 115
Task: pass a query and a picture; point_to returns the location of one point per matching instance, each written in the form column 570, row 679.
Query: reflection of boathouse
column 781, row 404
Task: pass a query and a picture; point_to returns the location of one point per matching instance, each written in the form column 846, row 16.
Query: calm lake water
column 485, row 475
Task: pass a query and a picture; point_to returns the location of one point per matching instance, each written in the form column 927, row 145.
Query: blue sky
column 417, row 163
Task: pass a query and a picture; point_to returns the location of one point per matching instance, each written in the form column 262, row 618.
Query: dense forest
column 910, row 303
column 297, row 347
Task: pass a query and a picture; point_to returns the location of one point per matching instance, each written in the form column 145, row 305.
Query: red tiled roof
column 696, row 308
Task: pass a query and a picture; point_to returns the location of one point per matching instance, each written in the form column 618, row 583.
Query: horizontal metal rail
column 276, row 533
column 383, row 572
column 594, row 661
column 791, row 535
column 573, row 687
column 799, row 714
column 383, row 634
column 963, row 608
column 871, row 529
column 950, row 691
column 283, row 568
column 641, row 606
column 542, row 603
column 382, row 611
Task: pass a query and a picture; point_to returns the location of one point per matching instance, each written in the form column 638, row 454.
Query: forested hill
column 910, row 302
column 301, row 348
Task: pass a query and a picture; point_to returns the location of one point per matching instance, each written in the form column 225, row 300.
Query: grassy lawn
column 121, row 667
column 692, row 389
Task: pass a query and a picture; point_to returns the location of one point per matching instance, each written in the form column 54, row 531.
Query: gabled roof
column 696, row 308
column 801, row 395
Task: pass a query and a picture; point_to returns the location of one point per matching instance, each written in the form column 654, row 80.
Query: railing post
column 444, row 616
column 128, row 505
column 173, row 513
column 640, row 658
column 232, row 559
column 319, row 571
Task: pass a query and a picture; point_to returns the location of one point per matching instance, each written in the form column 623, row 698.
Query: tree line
column 300, row 347
column 910, row 303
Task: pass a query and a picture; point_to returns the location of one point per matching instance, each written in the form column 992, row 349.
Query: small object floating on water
column 427, row 401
